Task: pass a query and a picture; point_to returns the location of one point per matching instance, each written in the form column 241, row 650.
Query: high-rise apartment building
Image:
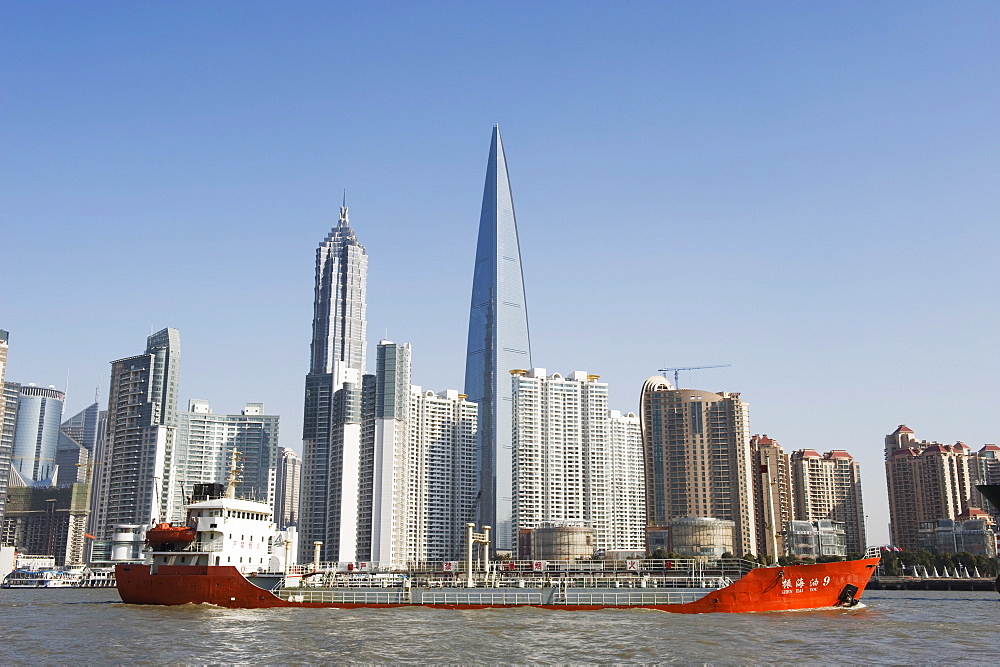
column 286, row 489
column 204, row 445
column 697, row 458
column 133, row 475
column 774, row 495
column 498, row 342
column 6, row 441
column 441, row 480
column 567, row 451
column 384, row 469
column 985, row 469
column 626, row 483
column 417, row 484
column 331, row 429
column 927, row 481
column 828, row 487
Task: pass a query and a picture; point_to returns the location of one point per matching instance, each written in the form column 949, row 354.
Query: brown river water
column 92, row 626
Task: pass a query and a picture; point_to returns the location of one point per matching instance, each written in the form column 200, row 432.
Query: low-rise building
column 813, row 539
column 972, row 533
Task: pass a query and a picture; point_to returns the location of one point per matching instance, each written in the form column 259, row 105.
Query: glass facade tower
column 498, row 343
column 36, row 434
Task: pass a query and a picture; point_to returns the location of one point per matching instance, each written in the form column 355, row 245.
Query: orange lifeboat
column 164, row 533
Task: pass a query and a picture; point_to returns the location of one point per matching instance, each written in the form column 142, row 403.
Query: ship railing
column 555, row 596
column 342, row 596
column 354, row 581
column 873, row 552
column 204, row 547
column 632, row 599
column 734, row 567
column 603, row 583
column 610, row 584
column 309, row 568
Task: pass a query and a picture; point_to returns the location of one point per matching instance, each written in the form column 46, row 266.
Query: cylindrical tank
column 562, row 542
column 701, row 537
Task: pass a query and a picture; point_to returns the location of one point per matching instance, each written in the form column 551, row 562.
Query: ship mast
column 234, row 475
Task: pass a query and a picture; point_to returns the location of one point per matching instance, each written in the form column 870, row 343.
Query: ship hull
column 795, row 587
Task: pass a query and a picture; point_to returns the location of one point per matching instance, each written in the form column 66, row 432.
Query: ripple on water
column 91, row 626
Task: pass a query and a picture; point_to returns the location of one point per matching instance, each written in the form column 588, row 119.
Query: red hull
column 762, row 589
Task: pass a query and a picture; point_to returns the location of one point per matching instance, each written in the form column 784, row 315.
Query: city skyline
column 832, row 169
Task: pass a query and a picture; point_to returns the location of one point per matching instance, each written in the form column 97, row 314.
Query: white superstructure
column 231, row 531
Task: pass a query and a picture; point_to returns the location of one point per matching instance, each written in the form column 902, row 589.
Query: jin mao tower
column 331, row 429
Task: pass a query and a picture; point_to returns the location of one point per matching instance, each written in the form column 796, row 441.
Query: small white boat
column 41, row 579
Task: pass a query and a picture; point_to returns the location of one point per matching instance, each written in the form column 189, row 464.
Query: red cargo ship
column 250, row 572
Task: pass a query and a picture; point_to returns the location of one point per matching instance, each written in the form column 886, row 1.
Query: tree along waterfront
column 903, row 563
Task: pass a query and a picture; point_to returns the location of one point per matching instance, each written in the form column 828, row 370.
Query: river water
column 93, row 626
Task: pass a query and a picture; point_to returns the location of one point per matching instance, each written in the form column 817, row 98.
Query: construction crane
column 677, row 371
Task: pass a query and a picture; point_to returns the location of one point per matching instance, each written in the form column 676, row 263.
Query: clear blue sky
column 805, row 190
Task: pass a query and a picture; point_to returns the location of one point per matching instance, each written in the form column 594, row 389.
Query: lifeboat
column 164, row 533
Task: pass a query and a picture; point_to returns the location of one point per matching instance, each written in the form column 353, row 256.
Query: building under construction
column 47, row 521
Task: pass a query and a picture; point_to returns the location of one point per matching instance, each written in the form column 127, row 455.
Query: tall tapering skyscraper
column 331, row 429
column 498, row 342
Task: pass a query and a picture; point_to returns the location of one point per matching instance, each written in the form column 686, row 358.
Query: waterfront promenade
column 887, row 583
